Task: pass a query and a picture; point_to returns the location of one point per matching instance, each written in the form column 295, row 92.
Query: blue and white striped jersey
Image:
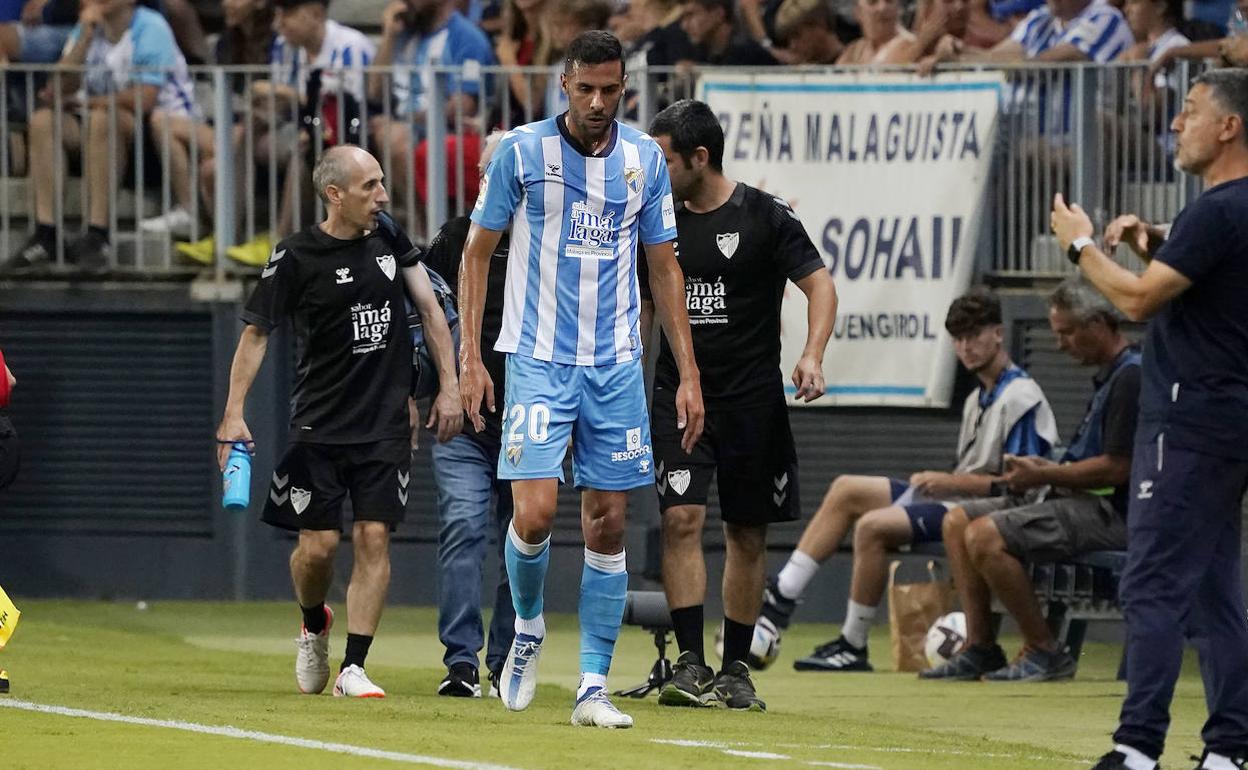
column 459, row 42
column 572, row 294
column 1100, row 32
column 146, row 54
column 345, row 52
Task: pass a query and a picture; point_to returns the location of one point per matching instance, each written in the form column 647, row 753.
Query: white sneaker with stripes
column 312, row 659
column 352, row 682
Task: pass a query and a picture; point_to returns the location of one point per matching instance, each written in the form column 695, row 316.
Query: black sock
column 737, row 638
column 357, row 650
column 687, row 623
column 45, row 233
column 314, row 618
column 98, row 232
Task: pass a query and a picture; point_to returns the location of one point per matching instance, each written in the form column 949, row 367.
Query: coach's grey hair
column 1229, row 87
column 1082, row 300
column 334, row 168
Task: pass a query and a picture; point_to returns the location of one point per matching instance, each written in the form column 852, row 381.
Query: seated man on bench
column 1007, row 413
column 1083, row 508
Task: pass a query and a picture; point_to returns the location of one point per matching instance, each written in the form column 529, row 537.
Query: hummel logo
column 344, row 275
column 271, row 268
column 660, row 479
column 1146, row 490
column 279, row 484
column 553, row 169
column 780, row 482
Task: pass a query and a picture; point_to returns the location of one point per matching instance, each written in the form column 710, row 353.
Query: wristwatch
column 998, row 489
column 1076, row 248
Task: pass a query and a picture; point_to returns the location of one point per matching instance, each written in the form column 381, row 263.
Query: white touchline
column 252, row 735
column 724, row 747
column 754, row 754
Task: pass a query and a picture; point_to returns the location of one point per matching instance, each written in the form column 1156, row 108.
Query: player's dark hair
column 1229, row 88
column 593, row 47
column 1077, row 296
column 973, row 311
column 690, row 124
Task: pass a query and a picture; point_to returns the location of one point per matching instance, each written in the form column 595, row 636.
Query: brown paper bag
column 912, row 609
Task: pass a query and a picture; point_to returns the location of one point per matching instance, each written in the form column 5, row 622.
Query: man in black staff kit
column 343, row 287
column 738, row 247
column 1190, row 464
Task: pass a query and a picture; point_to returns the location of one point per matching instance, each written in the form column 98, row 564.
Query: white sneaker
column 176, row 221
column 519, row 679
column 312, row 660
column 595, row 709
column 352, row 682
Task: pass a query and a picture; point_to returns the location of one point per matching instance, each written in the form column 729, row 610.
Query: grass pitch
column 226, row 664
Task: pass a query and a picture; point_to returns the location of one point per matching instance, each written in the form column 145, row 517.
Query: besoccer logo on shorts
column 633, row 448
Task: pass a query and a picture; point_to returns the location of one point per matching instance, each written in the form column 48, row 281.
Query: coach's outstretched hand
column 1069, row 222
column 475, row 384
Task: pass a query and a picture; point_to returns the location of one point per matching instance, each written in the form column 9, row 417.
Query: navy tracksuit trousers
column 1182, row 580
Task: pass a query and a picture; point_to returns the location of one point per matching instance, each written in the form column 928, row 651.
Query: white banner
column 887, row 172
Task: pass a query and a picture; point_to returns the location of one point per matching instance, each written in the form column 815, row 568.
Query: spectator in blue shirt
column 1062, row 31
column 416, row 33
column 133, row 64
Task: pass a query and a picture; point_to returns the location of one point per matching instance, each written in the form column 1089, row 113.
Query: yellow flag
column 9, row 616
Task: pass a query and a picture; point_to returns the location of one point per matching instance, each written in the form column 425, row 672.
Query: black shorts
column 749, row 448
column 10, row 451
column 312, row 481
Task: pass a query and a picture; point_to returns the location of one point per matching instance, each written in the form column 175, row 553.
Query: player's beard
column 593, row 133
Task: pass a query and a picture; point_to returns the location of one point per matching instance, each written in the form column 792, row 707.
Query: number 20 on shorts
column 538, row 423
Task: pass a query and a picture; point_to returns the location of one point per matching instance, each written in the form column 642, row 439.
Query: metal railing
column 1095, row 132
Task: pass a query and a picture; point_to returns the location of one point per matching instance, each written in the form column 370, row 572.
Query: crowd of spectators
column 316, row 92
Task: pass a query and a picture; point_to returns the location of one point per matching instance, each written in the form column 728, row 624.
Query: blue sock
column 526, row 570
column 604, row 584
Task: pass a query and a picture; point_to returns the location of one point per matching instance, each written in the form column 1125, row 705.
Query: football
column 945, row 638
column 764, row 647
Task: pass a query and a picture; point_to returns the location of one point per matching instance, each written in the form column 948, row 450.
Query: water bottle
column 236, row 480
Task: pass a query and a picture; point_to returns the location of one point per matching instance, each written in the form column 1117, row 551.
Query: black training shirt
column 736, row 260
column 1118, row 423
column 346, row 302
column 1195, row 378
